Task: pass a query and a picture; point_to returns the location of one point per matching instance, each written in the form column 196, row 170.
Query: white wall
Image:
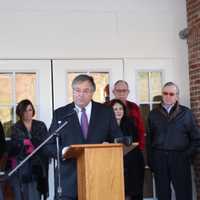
column 96, row 29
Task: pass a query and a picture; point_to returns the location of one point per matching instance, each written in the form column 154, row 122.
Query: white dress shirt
column 88, row 110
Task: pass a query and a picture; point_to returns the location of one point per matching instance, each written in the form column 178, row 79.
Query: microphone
column 75, row 110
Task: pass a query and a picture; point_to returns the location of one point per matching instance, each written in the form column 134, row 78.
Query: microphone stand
column 56, row 134
column 59, row 188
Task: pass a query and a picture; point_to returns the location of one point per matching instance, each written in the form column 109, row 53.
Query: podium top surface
column 75, row 149
column 103, row 145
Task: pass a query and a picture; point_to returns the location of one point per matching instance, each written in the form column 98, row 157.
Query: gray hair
column 82, row 78
column 171, row 84
column 121, row 81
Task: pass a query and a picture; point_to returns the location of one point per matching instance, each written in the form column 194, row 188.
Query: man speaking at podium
column 89, row 122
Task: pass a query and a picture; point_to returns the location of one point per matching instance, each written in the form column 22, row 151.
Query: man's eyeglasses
column 121, row 91
column 169, row 94
column 85, row 92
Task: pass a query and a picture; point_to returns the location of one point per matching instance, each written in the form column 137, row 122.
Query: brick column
column 193, row 16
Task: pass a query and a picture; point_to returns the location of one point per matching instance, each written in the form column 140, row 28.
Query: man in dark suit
column 91, row 123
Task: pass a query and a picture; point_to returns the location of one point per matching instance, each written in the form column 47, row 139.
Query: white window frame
column 13, row 90
column 150, row 102
column 42, row 69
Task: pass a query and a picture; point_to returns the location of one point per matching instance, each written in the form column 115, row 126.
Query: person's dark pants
column 172, row 167
column 134, row 174
column 1, row 191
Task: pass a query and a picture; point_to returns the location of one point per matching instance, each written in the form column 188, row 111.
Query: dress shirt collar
column 88, row 110
column 167, row 107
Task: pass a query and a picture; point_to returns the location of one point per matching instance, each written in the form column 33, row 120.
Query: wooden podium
column 99, row 171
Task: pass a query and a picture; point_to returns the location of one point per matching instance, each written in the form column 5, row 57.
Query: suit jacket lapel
column 92, row 120
column 77, row 126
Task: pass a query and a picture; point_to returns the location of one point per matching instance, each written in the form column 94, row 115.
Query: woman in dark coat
column 129, row 132
column 26, row 135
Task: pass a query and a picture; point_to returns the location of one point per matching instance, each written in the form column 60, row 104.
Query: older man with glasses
column 173, row 138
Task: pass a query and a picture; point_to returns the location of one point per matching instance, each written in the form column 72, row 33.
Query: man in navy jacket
column 102, row 127
column 173, row 138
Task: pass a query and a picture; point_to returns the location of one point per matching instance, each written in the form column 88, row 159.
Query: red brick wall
column 193, row 16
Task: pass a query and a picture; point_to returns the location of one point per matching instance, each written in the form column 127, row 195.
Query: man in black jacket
column 173, row 138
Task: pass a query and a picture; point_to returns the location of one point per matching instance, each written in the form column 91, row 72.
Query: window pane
column 6, row 119
column 5, row 114
column 143, row 88
column 156, row 84
column 5, row 89
column 145, row 109
column 101, row 79
column 26, row 87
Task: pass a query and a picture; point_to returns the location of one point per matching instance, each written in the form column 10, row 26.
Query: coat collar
column 173, row 112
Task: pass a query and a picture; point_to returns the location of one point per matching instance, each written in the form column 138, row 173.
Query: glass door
column 31, row 79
